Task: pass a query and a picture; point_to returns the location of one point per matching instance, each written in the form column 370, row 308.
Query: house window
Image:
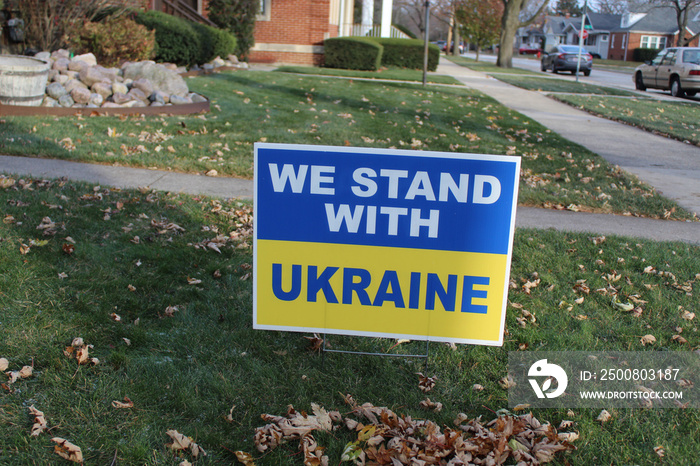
column 653, row 42
column 264, row 10
column 603, row 37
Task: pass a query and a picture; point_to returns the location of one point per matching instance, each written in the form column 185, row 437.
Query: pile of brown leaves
column 391, row 439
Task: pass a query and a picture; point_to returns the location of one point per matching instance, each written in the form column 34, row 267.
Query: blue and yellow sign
column 383, row 243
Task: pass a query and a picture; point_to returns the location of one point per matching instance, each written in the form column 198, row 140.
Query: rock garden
column 80, row 82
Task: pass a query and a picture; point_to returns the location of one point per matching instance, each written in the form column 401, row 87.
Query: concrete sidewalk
column 670, row 166
column 526, row 217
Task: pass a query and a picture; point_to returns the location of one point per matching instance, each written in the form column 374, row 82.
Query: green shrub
column 238, row 17
column 644, row 54
column 177, row 40
column 352, row 53
column 224, row 43
column 407, row 53
column 113, row 41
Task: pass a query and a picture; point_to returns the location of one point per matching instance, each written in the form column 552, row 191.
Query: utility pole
column 580, row 37
column 425, row 49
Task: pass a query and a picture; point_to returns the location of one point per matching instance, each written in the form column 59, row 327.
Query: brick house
column 655, row 28
column 293, row 31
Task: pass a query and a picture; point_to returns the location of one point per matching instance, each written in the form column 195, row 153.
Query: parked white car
column 675, row 69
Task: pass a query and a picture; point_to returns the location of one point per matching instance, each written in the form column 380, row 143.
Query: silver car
column 675, row 69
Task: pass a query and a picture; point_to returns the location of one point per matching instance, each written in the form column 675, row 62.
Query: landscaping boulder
column 161, row 77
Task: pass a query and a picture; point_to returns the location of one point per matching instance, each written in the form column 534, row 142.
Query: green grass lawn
column 393, row 74
column 676, row 119
column 546, row 84
column 488, row 67
column 285, row 108
column 160, row 285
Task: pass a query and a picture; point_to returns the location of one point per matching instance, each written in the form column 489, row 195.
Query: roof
column 559, row 23
column 661, row 20
column 604, row 22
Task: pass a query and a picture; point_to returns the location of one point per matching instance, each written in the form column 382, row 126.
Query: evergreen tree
column 570, row 7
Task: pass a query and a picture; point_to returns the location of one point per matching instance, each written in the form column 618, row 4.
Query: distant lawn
column 488, row 67
column 676, row 119
column 560, row 85
column 394, row 74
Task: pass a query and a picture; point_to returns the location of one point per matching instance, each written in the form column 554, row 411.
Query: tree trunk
column 458, row 39
column 477, row 52
column 509, row 26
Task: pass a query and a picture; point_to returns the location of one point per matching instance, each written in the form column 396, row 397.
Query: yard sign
column 383, row 243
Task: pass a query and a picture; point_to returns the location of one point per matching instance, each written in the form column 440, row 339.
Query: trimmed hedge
column 185, row 43
column 644, row 54
column 352, row 53
column 176, row 39
column 214, row 43
column 407, row 53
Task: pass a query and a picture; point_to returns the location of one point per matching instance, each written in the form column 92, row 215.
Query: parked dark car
column 676, row 69
column 565, row 58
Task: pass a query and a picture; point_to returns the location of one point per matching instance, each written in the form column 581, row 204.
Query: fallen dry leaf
column 431, row 405
column 425, row 383
column 4, row 364
column 170, row 311
column 245, row 458
column 604, row 416
column 127, row 403
column 648, row 340
column 182, row 442
column 67, row 450
column 39, row 425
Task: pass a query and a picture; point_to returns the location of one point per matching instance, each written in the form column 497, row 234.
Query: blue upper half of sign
column 379, row 197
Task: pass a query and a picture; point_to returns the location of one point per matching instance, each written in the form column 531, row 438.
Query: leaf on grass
column 170, row 311
column 425, row 383
column 431, row 405
column 39, row 425
column 4, row 364
column 660, row 451
column 182, row 442
column 565, row 424
column 604, row 416
column 506, row 382
column 686, row 315
column 648, row 339
column 679, row 339
column 229, row 417
column 67, row 450
column 567, row 436
column 620, row 306
column 315, row 342
column 245, row 458
column 477, row 387
column 193, row 281
column 127, row 403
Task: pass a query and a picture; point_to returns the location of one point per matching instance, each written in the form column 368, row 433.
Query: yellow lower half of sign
column 380, row 291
